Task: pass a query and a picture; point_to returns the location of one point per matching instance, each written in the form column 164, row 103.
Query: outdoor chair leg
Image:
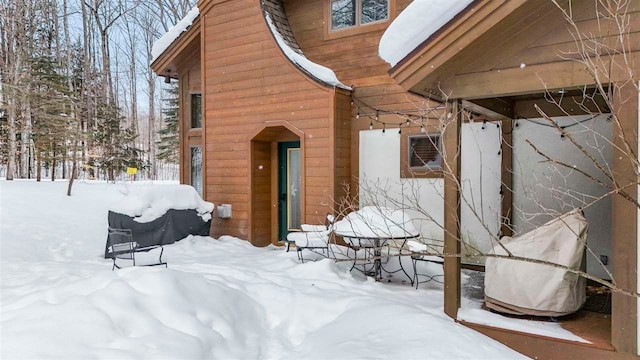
column 415, row 273
column 160, row 257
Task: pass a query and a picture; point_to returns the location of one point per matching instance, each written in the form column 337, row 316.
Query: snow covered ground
column 221, row 299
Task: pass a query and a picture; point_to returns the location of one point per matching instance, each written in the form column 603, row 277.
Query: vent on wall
column 425, row 152
column 224, row 211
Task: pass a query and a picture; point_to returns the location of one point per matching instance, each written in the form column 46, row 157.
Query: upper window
column 196, row 111
column 348, row 13
column 425, row 152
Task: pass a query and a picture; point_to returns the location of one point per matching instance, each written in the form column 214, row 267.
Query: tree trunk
column 38, row 165
column 25, row 139
column 11, row 112
column 53, row 166
column 73, row 175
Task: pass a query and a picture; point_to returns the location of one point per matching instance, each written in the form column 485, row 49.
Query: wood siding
column 353, row 56
column 342, row 147
column 250, row 85
column 189, row 83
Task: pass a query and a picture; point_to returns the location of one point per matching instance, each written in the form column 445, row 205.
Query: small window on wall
column 348, row 13
column 196, row 111
column 196, row 168
column 425, row 152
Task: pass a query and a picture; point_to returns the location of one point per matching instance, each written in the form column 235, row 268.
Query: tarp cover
column 525, row 288
column 172, row 226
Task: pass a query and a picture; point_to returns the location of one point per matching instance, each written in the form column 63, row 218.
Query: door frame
column 273, row 132
column 282, row 183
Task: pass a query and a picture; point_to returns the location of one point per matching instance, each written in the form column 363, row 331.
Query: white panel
column 481, row 178
column 380, row 169
column 380, row 181
column 542, row 188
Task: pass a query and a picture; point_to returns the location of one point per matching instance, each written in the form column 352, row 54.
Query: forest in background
column 77, row 96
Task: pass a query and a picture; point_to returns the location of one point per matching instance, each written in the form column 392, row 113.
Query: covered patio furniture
column 529, row 288
column 160, row 214
column 372, row 228
column 312, row 237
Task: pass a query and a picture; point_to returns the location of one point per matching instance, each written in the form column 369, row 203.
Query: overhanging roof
column 488, row 50
column 167, row 63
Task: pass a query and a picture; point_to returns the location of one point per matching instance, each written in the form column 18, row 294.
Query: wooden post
column 452, row 158
column 624, row 237
column 506, row 178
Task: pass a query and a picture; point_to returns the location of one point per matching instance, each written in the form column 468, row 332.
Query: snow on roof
column 318, row 71
column 174, row 32
column 376, row 222
column 147, row 203
column 414, row 25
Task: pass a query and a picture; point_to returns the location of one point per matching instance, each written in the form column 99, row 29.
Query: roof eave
column 164, row 63
column 449, row 40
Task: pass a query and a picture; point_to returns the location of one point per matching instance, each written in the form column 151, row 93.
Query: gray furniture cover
column 526, row 288
column 174, row 225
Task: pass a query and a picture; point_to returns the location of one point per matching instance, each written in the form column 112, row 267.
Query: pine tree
column 51, row 103
column 169, row 140
column 115, row 149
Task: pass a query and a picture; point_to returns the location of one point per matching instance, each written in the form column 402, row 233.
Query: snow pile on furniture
column 149, row 203
column 318, row 71
column 312, row 236
column 414, row 25
column 528, row 288
column 174, row 32
column 314, row 239
column 376, row 222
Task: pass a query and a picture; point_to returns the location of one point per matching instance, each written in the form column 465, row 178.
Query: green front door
column 289, row 186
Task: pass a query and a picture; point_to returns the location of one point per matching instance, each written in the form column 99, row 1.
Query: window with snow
column 196, row 111
column 348, row 13
column 425, row 152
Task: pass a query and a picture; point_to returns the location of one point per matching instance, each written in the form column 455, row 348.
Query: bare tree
column 14, row 16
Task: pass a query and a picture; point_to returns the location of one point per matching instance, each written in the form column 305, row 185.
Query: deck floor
column 592, row 326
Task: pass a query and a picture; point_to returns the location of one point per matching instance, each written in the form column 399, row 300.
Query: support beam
column 495, row 108
column 624, row 237
column 452, row 158
column 530, row 79
column 506, row 179
column 572, row 105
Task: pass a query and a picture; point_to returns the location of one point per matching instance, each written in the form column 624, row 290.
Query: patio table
column 373, row 227
column 376, row 243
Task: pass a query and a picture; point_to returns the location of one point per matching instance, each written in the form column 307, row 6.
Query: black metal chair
column 415, row 257
column 122, row 246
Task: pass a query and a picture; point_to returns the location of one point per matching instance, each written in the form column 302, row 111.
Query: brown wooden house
column 277, row 141
column 258, row 108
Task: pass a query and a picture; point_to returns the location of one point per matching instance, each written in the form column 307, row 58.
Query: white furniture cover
column 371, row 222
column 312, row 236
column 310, row 239
column 526, row 288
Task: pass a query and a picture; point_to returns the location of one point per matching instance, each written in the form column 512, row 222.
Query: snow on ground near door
column 220, row 299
